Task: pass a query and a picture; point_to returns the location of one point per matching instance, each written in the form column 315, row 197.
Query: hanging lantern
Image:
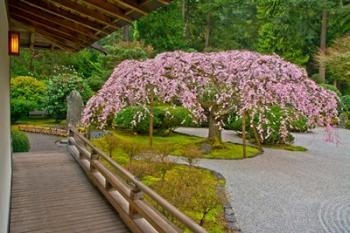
column 14, row 43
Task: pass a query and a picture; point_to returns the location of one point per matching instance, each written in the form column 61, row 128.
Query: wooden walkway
column 50, row 193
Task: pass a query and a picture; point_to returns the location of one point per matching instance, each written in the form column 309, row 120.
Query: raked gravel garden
column 286, row 191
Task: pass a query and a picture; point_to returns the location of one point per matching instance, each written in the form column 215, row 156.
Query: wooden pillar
column 136, row 194
column 5, row 138
column 94, row 156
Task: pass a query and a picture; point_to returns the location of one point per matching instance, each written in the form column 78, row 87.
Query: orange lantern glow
column 14, row 40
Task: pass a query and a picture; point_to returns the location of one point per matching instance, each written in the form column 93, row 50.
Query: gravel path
column 287, row 192
column 42, row 142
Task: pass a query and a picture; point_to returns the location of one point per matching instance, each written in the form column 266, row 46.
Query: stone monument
column 75, row 107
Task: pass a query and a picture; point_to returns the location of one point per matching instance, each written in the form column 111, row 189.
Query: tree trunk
column 244, row 137
column 335, row 82
column 185, row 18
column 214, row 136
column 323, row 45
column 201, row 222
column 257, row 138
column 151, row 118
column 207, row 31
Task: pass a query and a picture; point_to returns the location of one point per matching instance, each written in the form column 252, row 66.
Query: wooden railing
column 126, row 193
column 43, row 130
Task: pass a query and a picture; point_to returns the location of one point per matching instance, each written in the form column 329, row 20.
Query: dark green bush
column 234, row 123
column 299, row 124
column 275, row 115
column 345, row 103
column 347, row 125
column 166, row 118
column 331, row 88
column 27, row 94
column 59, row 87
column 20, row 141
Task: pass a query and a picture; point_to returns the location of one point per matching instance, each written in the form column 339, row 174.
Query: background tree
column 59, row 87
column 27, row 94
column 110, row 143
column 337, row 59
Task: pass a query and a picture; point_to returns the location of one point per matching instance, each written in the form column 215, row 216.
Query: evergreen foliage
column 20, row 141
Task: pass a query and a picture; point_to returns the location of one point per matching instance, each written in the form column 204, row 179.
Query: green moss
column 180, row 143
column 289, row 147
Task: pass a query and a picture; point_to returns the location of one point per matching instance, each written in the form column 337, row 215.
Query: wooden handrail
column 129, row 191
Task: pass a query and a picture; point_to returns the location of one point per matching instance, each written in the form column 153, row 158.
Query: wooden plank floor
column 50, row 193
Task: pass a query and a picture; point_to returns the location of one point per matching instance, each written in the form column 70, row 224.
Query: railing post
column 135, row 194
column 94, row 156
column 70, row 134
column 108, row 186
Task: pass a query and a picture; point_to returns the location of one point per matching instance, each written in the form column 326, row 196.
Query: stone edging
column 231, row 220
column 43, row 130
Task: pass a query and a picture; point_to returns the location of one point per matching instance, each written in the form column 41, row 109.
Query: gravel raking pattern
column 334, row 215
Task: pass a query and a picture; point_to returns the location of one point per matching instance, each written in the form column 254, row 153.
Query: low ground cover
column 180, row 144
column 198, row 192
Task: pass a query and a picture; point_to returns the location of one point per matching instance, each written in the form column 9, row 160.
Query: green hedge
column 20, row 141
column 136, row 118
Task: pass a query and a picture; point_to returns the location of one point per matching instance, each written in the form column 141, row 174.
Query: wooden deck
column 50, row 193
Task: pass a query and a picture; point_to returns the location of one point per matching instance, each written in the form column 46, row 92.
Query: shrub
column 274, row 116
column 347, row 125
column 345, row 103
column 234, row 122
column 20, row 141
column 299, row 124
column 331, row 88
column 27, row 94
column 165, row 118
column 59, row 88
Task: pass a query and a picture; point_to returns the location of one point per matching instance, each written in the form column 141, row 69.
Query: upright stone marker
column 75, row 107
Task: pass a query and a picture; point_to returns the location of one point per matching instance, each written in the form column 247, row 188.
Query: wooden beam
column 59, row 38
column 70, row 34
column 52, row 9
column 133, row 5
column 54, row 19
column 86, row 12
column 50, row 38
column 109, row 8
column 165, row 2
column 144, row 2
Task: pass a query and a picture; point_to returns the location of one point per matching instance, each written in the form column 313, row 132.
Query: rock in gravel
column 206, row 148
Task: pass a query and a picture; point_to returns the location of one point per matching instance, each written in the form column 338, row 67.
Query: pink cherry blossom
column 230, row 81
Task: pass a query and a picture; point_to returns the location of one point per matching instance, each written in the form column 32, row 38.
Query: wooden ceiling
column 73, row 24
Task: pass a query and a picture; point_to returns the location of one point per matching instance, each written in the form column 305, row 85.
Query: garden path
column 42, row 142
column 286, row 192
